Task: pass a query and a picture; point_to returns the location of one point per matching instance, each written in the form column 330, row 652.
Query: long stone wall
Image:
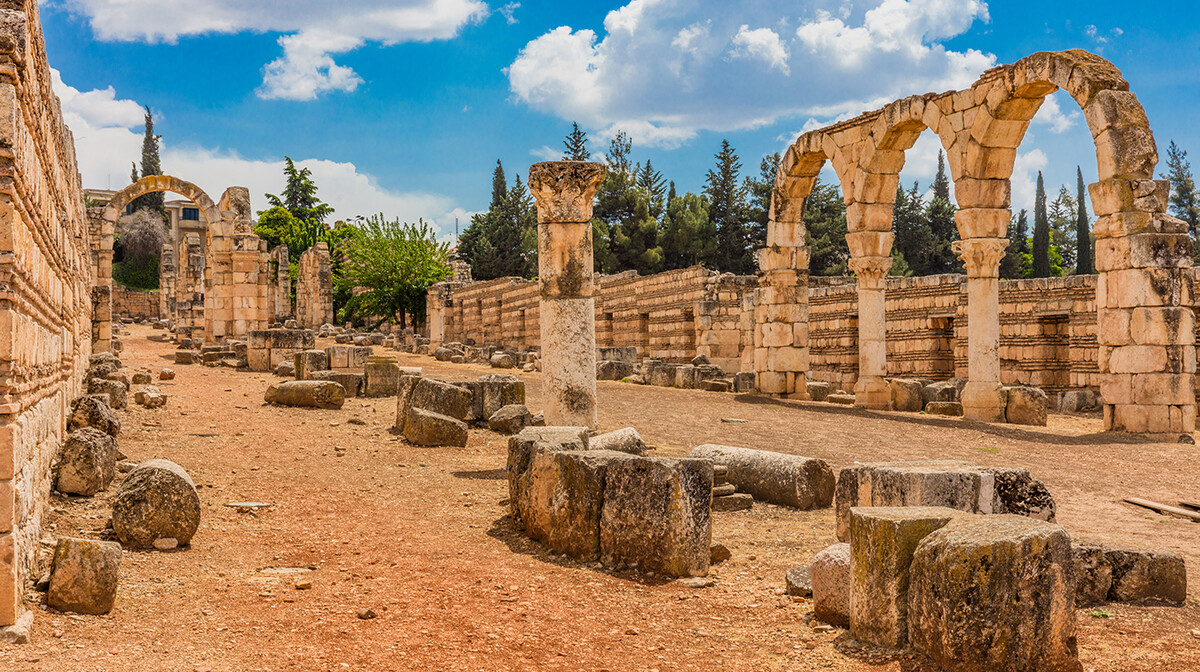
column 46, row 275
column 135, row 303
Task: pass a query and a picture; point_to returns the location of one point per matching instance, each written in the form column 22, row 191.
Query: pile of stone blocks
column 615, row 363
column 623, row 510
column 267, row 348
column 431, row 412
column 698, row 374
column 947, row 483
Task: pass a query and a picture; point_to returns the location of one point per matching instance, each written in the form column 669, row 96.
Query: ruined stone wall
column 314, row 288
column 168, row 279
column 46, row 275
column 280, row 292
column 128, row 302
column 189, row 288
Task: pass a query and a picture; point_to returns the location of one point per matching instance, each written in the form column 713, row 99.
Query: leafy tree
column 576, row 145
column 151, row 165
column 1063, row 223
column 940, row 216
column 727, row 210
column 502, row 241
column 913, row 239
column 1015, row 263
column 300, row 195
column 825, row 223
column 900, row 268
column 635, row 242
column 1184, row 201
column 758, row 206
column 137, row 246
column 1041, row 233
column 689, row 237
column 624, row 210
column 603, row 259
column 278, row 226
column 1085, row 254
column 388, row 266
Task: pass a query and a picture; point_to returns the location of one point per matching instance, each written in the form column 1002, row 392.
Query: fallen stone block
column 157, row 500
column 426, row 428
column 743, row 383
column 521, row 450
column 404, row 390
column 442, row 398
column 91, row 411
column 186, row 356
column 778, row 478
column 510, row 419
column 443, row 354
column 717, row 385
column 882, row 543
column 84, row 576
column 166, row 374
column 381, row 376
column 946, row 390
column 141, row 378
column 950, row 483
column 307, row 362
column 798, row 582
column 502, row 360
column 994, row 593
column 87, row 462
column 1026, row 406
column 498, row 390
column 115, row 390
column 948, row 408
column 625, row 440
column 656, row 515
column 738, row 501
column 307, row 394
column 662, row 375
column 687, row 377
column 350, row 382
column 1079, row 401
column 818, row 391
column 611, row 370
column 622, row 354
column 841, row 399
column 830, row 572
column 150, row 397
column 565, row 500
column 907, row 395
column 285, row 369
column 1136, row 575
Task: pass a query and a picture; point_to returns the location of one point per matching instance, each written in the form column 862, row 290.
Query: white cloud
column 508, row 10
column 546, row 153
column 762, row 44
column 314, row 30
column 1024, row 180
column 664, row 70
column 108, row 134
column 1051, row 114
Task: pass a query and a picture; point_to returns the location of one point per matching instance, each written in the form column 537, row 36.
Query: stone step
column 724, row 490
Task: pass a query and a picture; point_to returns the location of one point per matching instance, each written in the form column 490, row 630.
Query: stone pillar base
column 983, row 401
column 872, row 392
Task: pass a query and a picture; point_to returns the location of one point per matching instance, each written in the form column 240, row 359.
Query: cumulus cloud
column 108, row 134
column 314, row 30
column 1052, row 115
column 664, row 70
column 1024, row 180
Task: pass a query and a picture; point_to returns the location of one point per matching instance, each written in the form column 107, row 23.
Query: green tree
column 940, row 217
column 137, row 246
column 499, row 185
column 727, row 210
column 387, row 266
column 576, row 145
column 502, row 241
column 758, row 201
column 913, row 239
column 300, row 195
column 654, row 187
column 1041, row 233
column 635, row 242
column 624, row 210
column 1184, row 201
column 825, row 230
column 151, row 165
column 900, row 268
column 1015, row 263
column 1063, row 223
column 689, row 237
column 1085, row 251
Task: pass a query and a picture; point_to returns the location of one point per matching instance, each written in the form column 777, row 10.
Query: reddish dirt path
column 419, row 536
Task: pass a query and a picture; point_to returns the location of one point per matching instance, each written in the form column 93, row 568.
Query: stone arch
column 155, row 183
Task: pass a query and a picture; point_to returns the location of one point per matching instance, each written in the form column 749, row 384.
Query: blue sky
column 405, row 105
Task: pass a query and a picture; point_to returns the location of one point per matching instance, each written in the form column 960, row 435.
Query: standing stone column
column 564, row 192
column 982, row 398
column 781, row 357
column 871, row 390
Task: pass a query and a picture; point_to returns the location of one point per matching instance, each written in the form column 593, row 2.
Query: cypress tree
column 576, row 145
column 1013, row 264
column 939, row 216
column 726, row 206
column 914, row 240
column 941, row 182
column 671, row 193
column 1041, row 233
column 151, row 165
column 499, row 186
column 1084, row 264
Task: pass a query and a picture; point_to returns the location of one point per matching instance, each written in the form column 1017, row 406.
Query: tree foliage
column 689, row 237
column 825, row 229
column 1184, row 201
column 1085, row 250
column 137, row 246
column 502, row 241
column 151, row 165
column 1041, row 233
column 279, row 226
column 576, row 145
column 1016, row 261
column 300, row 195
column 387, row 267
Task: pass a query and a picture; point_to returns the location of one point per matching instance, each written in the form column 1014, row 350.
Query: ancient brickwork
column 1145, row 326
column 236, row 275
column 189, row 288
column 280, row 290
column 128, row 302
column 168, row 278
column 314, row 288
column 46, row 274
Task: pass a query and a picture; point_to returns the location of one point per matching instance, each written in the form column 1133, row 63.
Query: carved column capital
column 870, row 271
column 981, row 256
column 564, row 189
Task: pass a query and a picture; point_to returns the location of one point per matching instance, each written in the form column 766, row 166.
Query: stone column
column 781, row 357
column 564, row 192
column 871, row 390
column 982, row 398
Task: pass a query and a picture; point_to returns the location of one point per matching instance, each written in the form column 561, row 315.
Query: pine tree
column 671, row 193
column 502, row 242
column 758, row 207
column 825, row 230
column 1017, row 253
column 499, row 186
column 913, row 239
column 689, row 237
column 576, row 145
column 1184, row 201
column 1041, row 233
column 300, row 195
column 150, row 166
column 726, row 209
column 1084, row 255
column 940, row 217
column 653, row 185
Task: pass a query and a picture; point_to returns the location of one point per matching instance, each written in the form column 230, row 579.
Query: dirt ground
column 420, row 537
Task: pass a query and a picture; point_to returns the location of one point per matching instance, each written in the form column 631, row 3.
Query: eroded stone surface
column 779, row 478
column 87, row 462
column 307, row 393
column 84, row 576
column 156, row 500
column 830, row 572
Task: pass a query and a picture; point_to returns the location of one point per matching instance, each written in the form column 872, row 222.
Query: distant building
column 185, row 215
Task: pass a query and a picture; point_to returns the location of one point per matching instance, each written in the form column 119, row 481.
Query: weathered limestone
column 381, row 376
column 830, row 572
column 564, row 192
column 983, row 398
column 779, row 478
column 442, row 398
column 84, row 576
column 566, row 500
column 307, row 393
column 626, row 440
column 314, row 288
column 350, row 382
column 157, row 500
column 115, row 389
column 521, row 450
column 267, row 348
column 1025, row 406
column 348, row 356
column 92, row 411
column 871, row 390
column 426, row 428
column 510, row 419
column 1115, row 571
column 497, row 390
column 87, row 462
column 150, row 397
column 945, row 483
column 308, row 362
column 990, row 593
column 882, row 543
